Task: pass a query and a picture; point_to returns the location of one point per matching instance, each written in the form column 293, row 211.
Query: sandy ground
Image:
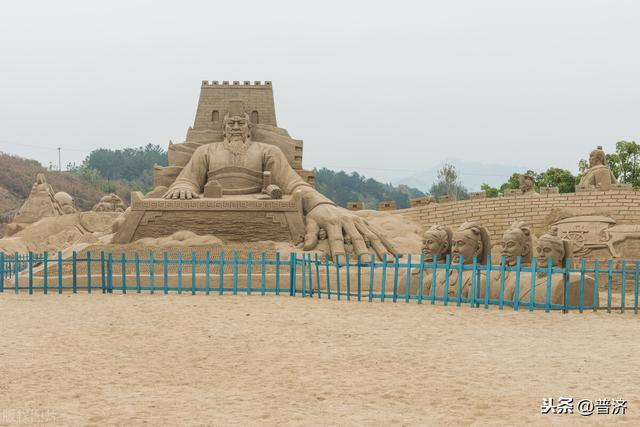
column 266, row 360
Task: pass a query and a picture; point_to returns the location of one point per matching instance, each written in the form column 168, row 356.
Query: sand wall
column 497, row 213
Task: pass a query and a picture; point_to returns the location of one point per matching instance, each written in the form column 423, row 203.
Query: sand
column 266, row 360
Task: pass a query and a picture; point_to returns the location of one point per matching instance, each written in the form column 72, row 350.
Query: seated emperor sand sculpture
column 240, row 174
column 598, row 175
column 551, row 249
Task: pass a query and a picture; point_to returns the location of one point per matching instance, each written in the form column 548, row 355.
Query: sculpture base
column 243, row 218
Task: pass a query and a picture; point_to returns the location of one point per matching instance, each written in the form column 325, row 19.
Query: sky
column 388, row 89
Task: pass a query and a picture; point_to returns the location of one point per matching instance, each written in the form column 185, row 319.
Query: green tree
column 625, row 162
column 556, row 177
column 448, row 184
column 489, row 190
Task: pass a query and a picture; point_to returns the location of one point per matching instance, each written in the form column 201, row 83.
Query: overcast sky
column 386, row 88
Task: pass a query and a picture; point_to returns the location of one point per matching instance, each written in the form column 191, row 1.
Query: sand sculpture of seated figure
column 598, row 175
column 66, row 202
column 236, row 166
column 552, row 248
column 527, row 185
column 469, row 241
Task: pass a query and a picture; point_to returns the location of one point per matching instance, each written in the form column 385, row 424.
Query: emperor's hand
column 340, row 224
column 182, row 193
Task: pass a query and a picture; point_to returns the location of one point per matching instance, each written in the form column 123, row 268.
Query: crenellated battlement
column 236, row 84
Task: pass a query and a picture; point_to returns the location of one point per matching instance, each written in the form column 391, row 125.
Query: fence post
column 516, row 293
column 447, row 278
column 396, row 264
column 59, row 272
column 459, row 281
column 303, row 267
column 326, row 265
column 1, row 271
column 359, row 271
column 609, row 285
column 207, row 272
column 487, row 284
column 263, row 272
column 567, row 286
column 235, row 272
column 635, row 288
column 596, row 290
column 110, row 273
column 249, row 271
column 547, row 301
column 474, row 282
column 420, row 278
column 30, row 273
column 16, row 272
column 193, row 273
column 74, row 277
column 165, row 272
column 45, row 279
column 123, row 272
column 532, row 285
column 180, row 272
column 408, row 281
column 623, row 289
column 310, row 277
column 581, row 301
column 102, row 272
column 337, row 264
column 277, row 273
column 348, row 276
column 88, row 271
column 221, row 274
column 373, row 263
column 292, row 274
column 503, row 263
column 317, row 263
column 152, row 272
column 137, row 269
column 383, row 288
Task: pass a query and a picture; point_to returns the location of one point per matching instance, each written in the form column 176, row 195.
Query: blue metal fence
column 545, row 287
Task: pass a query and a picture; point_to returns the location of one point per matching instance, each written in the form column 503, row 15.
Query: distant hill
column 342, row 188
column 17, row 175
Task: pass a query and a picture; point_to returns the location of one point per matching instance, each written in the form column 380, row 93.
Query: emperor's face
column 545, row 251
column 433, row 245
column 467, row 244
column 236, row 128
column 513, row 247
column 595, row 159
column 526, row 184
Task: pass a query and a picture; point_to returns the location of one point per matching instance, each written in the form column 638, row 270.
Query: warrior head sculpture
column 436, row 242
column 551, row 247
column 470, row 240
column 517, row 242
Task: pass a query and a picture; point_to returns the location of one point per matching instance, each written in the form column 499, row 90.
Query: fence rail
column 534, row 286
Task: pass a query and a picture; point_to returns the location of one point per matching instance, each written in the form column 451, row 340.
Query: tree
column 489, row 190
column 448, row 184
column 556, row 177
column 625, row 162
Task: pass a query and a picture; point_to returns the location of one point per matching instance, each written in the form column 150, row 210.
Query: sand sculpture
column 242, row 189
column 436, row 242
column 550, row 247
column 110, row 203
column 517, row 242
column 598, row 175
column 66, row 202
column 41, row 203
column 468, row 241
column 527, row 185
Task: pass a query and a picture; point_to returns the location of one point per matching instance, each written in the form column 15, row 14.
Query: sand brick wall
column 497, row 213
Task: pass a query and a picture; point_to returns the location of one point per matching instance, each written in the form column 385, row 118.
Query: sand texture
column 266, row 360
